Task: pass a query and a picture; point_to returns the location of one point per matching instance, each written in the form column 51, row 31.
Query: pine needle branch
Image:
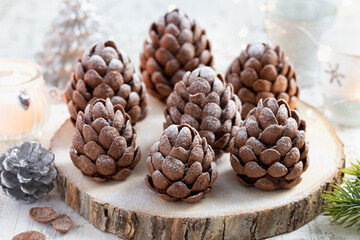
column 343, row 203
column 353, row 170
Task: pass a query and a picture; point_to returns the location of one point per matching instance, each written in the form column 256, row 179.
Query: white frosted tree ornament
column 75, row 29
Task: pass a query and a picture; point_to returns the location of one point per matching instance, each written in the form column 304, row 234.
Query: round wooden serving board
column 229, row 211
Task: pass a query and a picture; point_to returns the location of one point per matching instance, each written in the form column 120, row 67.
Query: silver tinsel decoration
column 27, row 171
column 75, row 29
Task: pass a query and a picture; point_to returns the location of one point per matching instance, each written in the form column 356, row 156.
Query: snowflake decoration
column 334, row 74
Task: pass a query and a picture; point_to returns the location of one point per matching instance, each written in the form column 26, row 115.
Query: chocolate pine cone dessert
column 261, row 72
column 178, row 44
column 181, row 165
column 269, row 151
column 104, row 142
column 205, row 102
column 106, row 72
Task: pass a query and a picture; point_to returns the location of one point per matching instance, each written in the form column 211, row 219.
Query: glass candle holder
column 339, row 55
column 296, row 26
column 24, row 105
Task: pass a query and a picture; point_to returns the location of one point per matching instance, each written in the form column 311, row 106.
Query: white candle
column 339, row 55
column 296, row 25
column 14, row 119
column 17, row 123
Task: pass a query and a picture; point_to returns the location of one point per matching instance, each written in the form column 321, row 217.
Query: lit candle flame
column 357, row 94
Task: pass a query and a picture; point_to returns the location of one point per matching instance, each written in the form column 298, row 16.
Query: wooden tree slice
column 230, row 211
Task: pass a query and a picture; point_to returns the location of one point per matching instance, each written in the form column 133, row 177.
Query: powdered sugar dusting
column 256, row 50
column 227, row 195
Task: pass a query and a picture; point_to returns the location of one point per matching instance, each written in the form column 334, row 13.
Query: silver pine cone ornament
column 74, row 30
column 27, row 171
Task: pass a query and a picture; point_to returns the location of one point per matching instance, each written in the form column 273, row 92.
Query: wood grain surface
column 23, row 24
column 130, row 210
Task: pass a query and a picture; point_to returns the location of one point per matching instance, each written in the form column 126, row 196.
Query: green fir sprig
column 343, row 203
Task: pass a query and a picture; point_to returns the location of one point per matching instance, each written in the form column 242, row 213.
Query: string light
column 357, row 94
column 243, row 32
column 262, row 7
column 171, row 7
column 269, row 24
column 309, row 113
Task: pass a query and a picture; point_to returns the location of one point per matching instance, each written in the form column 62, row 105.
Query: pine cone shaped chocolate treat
column 178, row 44
column 261, row 72
column 104, row 142
column 270, row 151
column 181, row 165
column 27, row 171
column 206, row 103
column 106, row 72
